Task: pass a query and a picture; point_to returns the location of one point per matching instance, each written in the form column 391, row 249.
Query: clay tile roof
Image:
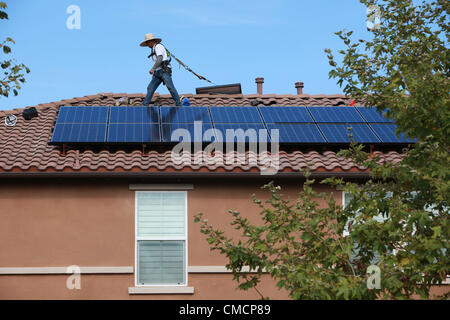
column 24, row 147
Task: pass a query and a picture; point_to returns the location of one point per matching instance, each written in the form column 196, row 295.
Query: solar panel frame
column 335, row 115
column 167, row 129
column 235, row 115
column 133, row 133
column 80, row 124
column 371, row 115
column 338, row 133
column 238, row 128
column 386, row 133
column 135, row 114
column 287, row 114
column 185, row 114
column 297, row 132
column 79, row 133
column 82, row 114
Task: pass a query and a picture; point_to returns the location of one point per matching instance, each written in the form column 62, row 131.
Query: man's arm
column 158, row 62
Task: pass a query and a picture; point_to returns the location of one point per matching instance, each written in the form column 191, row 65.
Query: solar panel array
column 290, row 125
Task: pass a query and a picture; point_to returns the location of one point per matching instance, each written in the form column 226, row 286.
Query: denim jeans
column 158, row 77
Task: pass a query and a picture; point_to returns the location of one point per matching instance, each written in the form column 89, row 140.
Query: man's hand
column 151, row 71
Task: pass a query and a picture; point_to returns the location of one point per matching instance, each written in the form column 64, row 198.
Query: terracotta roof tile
column 24, row 147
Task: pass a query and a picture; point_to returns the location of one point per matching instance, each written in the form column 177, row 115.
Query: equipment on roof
column 10, row 120
column 155, row 125
column 30, row 113
column 234, row 88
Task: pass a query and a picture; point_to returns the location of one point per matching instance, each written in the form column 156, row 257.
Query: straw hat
column 149, row 37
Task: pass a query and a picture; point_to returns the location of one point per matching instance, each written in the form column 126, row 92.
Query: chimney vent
column 259, row 85
column 299, row 86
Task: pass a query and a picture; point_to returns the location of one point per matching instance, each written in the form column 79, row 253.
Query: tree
column 398, row 219
column 13, row 74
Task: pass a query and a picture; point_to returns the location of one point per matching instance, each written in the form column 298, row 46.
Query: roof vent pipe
column 299, row 86
column 259, row 85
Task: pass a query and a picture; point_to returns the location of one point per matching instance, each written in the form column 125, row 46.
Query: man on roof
column 161, row 70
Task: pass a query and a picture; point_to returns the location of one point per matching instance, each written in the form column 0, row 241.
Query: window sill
column 161, row 290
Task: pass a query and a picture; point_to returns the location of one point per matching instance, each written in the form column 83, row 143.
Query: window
column 161, row 232
column 347, row 197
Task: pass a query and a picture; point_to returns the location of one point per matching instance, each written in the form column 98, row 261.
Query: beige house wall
column 90, row 223
column 48, row 225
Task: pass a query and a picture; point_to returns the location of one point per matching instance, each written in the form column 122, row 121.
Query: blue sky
column 227, row 41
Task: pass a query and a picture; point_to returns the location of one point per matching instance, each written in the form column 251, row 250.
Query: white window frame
column 136, row 239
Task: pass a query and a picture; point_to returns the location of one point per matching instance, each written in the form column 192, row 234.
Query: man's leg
column 167, row 79
column 152, row 86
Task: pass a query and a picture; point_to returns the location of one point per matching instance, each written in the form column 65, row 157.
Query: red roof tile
column 24, row 148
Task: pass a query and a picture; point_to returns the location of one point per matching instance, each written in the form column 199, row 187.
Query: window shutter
column 161, row 214
column 161, row 262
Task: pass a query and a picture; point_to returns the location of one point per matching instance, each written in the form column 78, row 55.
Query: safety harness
column 165, row 65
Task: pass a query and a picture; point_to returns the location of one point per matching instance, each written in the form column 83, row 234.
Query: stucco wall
column 91, row 223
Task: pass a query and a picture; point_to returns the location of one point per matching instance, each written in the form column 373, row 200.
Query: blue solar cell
column 235, row 115
column 338, row 133
column 79, row 132
column 335, row 115
column 370, row 114
column 185, row 114
column 296, row 133
column 386, row 132
column 286, row 114
column 82, row 114
column 134, row 115
column 241, row 132
column 187, row 132
column 133, row 132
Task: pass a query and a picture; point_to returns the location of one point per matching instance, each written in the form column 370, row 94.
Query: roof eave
column 112, row 174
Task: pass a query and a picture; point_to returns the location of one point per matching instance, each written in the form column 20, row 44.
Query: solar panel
column 370, row 114
column 91, row 114
column 80, row 124
column 134, row 115
column 386, row 132
column 133, row 132
column 79, row 132
column 296, row 133
column 286, row 114
column 335, row 115
column 185, row 114
column 241, row 132
column 235, row 115
column 338, row 133
column 187, row 132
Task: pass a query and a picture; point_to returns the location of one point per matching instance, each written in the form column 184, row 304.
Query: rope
column 189, row 69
